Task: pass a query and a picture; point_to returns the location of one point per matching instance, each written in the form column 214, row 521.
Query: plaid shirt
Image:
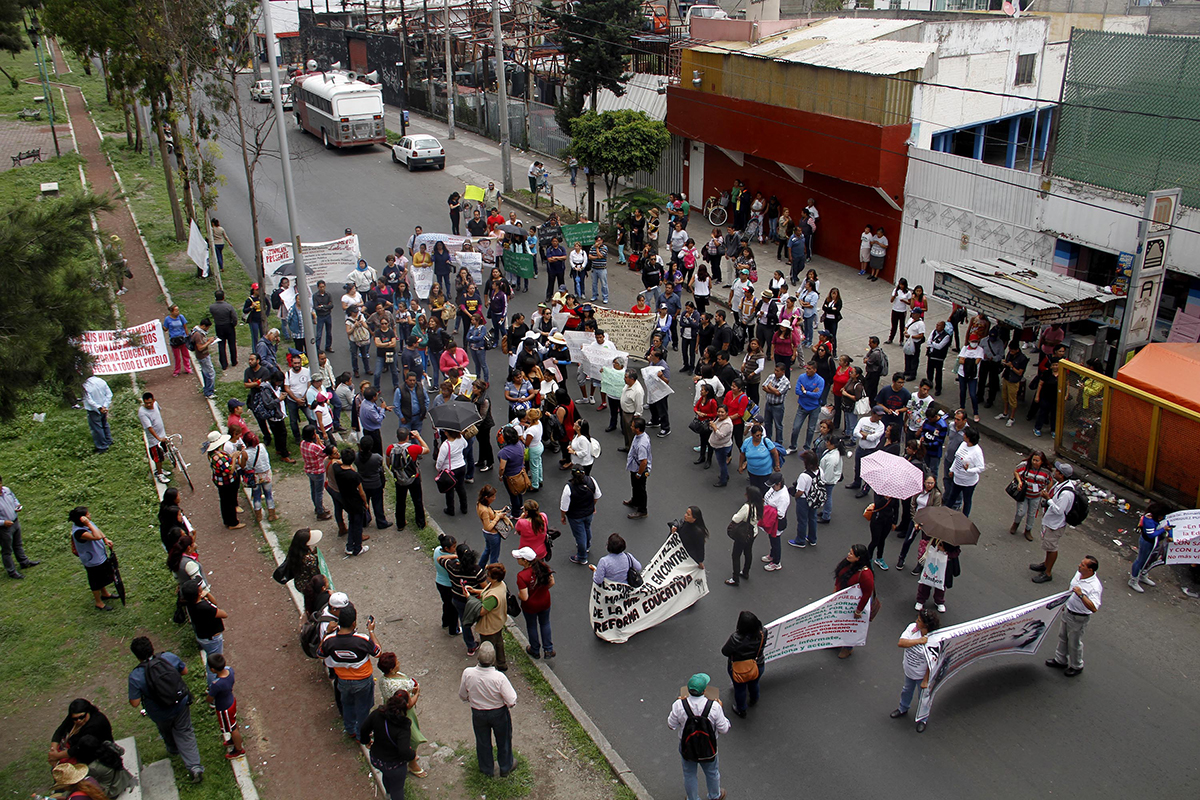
column 223, row 473
column 314, row 458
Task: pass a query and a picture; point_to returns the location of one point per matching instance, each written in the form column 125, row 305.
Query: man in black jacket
column 322, row 310
column 225, row 319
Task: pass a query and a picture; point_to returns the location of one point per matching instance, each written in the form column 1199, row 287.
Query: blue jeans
column 538, row 627
column 712, row 778
column 255, row 334
column 211, row 647
column 324, row 323
column 956, row 494
column 806, row 522
column 486, row 723
column 970, row 387
column 722, row 455
column 101, row 435
column 808, row 328
column 492, row 543
column 827, row 509
column 911, row 686
column 851, row 419
column 809, row 420
column 581, row 529
column 393, row 368
column 744, row 693
column 354, row 531
column 358, row 351
column 460, row 605
column 479, row 358
column 1145, row 548
column 600, row 277
column 444, row 282
column 258, row 491
column 357, row 698
column 316, row 489
column 208, row 375
column 773, row 421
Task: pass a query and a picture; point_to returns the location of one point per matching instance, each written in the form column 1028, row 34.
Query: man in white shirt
column 491, row 696
column 965, row 470
column 700, row 706
column 295, row 386
column 914, row 340
column 633, row 397
column 1060, row 496
column 868, row 432
column 1083, row 602
column 97, row 398
column 150, row 415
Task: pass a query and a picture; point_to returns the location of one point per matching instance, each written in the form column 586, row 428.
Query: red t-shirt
column 737, row 405
column 706, row 410
column 493, row 221
column 539, row 597
column 529, row 538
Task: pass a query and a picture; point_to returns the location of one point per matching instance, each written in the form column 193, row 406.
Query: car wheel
column 325, row 139
column 408, row 164
column 442, row 165
column 394, row 159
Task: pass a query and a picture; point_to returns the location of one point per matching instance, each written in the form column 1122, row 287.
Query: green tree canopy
column 595, row 38
column 12, row 36
column 54, row 291
column 616, row 144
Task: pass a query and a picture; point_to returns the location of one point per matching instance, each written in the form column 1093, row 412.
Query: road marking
column 475, row 160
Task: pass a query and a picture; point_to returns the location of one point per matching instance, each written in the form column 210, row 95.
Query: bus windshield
column 360, row 104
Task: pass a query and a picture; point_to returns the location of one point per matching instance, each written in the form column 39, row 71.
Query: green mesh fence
column 1100, row 142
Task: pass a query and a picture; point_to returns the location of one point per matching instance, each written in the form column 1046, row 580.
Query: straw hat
column 215, row 439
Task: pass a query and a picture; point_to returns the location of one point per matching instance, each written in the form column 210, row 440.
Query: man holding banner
column 1083, row 601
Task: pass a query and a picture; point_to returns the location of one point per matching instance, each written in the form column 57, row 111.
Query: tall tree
column 50, row 268
column 616, row 144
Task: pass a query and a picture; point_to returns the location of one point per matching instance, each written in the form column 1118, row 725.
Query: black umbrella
column 116, row 570
column 517, row 229
column 289, row 269
column 456, row 415
column 947, row 524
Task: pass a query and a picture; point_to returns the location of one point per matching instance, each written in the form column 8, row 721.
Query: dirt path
column 292, row 728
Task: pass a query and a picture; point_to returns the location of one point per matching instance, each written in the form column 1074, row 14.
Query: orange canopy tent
column 1170, row 370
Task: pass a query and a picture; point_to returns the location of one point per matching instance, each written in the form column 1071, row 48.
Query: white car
column 419, row 151
column 285, row 95
column 261, row 91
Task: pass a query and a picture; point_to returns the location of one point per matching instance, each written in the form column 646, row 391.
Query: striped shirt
column 349, row 655
column 599, row 256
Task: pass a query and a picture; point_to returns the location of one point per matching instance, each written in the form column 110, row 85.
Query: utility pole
column 428, row 60
column 502, row 100
column 35, row 38
column 449, row 77
column 404, row 64
column 289, row 190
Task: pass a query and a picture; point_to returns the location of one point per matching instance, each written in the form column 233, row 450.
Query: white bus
column 342, row 110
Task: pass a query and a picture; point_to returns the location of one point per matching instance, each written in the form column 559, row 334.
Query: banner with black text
column 671, row 582
column 820, row 625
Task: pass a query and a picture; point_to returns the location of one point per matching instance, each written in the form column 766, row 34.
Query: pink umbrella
column 892, row 476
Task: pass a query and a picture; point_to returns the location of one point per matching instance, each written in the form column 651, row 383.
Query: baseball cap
column 880, row 410
column 234, row 403
column 698, row 683
column 525, row 553
column 1066, row 469
column 775, row 479
column 338, row 600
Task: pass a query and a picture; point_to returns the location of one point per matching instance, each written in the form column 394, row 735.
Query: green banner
column 521, row 264
column 584, row 233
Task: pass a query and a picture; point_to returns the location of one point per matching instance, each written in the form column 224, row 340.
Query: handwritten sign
column 134, row 349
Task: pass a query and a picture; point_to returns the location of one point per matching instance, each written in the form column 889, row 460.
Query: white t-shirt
column 451, row 455
column 916, row 328
column 703, row 288
column 865, row 242
column 879, row 246
column 151, row 418
column 297, row 382
column 348, row 300
column 900, row 301
column 968, row 464
column 915, row 665
column 779, row 499
column 970, row 351
column 534, row 430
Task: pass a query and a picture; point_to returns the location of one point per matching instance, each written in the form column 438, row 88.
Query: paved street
column 1005, row 728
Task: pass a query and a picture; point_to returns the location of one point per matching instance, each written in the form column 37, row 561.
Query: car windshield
column 361, row 104
column 425, row 144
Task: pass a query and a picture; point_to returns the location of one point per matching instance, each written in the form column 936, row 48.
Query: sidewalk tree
column 12, row 39
column 51, row 273
column 616, row 144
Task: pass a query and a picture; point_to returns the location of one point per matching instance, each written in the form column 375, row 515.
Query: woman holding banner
column 855, row 569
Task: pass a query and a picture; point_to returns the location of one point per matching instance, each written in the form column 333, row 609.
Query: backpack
column 403, row 466
column 310, row 637
column 816, row 492
column 1078, row 511
column 698, row 741
column 884, row 370
column 164, row 683
column 191, row 340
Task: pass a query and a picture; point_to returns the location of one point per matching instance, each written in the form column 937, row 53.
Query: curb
column 615, row 762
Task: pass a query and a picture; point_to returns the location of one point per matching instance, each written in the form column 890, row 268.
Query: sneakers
column 916, row 570
column 766, row 559
column 918, row 606
column 365, row 548
column 1137, row 587
column 1001, row 415
column 794, row 543
column 1041, row 577
column 471, row 650
column 1036, row 432
column 879, row 562
column 664, row 434
column 1144, row 578
column 900, row 564
column 1009, row 424
column 772, row 567
column 791, row 451
column 941, row 608
column 577, row 560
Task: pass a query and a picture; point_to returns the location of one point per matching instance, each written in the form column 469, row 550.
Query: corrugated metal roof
column 852, row 45
column 641, row 94
column 1034, row 289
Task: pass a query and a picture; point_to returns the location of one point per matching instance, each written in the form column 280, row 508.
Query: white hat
column 338, row 600
column 786, row 323
column 314, row 536
column 531, row 336
column 525, row 554
column 215, row 439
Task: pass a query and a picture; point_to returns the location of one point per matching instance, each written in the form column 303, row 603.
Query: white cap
column 338, row 600
column 525, row 554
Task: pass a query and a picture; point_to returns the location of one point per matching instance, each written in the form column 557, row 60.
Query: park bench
column 27, row 155
column 29, row 113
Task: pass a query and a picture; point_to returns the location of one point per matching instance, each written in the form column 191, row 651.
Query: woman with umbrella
column 89, row 545
column 855, row 569
column 948, row 530
column 893, row 479
column 929, row 495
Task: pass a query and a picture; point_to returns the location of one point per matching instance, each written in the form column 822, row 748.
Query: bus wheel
column 325, row 139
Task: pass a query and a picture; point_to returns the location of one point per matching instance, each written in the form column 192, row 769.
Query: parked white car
column 419, row 151
column 285, row 95
column 261, row 91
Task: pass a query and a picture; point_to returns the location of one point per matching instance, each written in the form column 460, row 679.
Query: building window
column 1025, row 69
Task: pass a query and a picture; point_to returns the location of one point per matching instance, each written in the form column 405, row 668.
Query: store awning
column 1017, row 294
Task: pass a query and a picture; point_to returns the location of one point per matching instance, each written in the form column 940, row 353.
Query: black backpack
column 1078, row 511
column 404, row 466
column 164, row 683
column 699, row 739
column 310, row 637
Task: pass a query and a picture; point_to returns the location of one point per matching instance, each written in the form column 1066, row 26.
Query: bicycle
column 176, row 457
column 715, row 211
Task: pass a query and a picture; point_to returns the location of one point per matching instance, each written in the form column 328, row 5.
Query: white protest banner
column 576, row 341
column 656, row 387
column 134, row 349
column 474, row 264
column 422, row 281
column 598, row 356
column 288, row 298
column 628, row 331
column 559, row 318
column 323, row 261
column 1019, row 630
column 198, row 249
column 672, row 581
column 1184, row 544
column 612, row 382
column 825, row 623
column 453, row 243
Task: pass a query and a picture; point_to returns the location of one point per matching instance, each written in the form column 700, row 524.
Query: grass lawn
column 12, row 100
column 24, row 183
column 57, row 647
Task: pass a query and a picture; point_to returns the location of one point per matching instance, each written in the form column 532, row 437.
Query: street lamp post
column 35, row 39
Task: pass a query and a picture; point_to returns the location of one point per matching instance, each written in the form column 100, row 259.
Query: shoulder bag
column 746, row 670
column 633, row 575
column 1016, row 490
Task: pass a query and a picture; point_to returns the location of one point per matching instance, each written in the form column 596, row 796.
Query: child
column 220, row 694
